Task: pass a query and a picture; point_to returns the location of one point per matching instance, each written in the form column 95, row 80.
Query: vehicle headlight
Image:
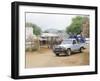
column 55, row 47
column 63, row 48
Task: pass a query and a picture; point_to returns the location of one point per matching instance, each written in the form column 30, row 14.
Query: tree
column 75, row 26
column 28, row 24
column 36, row 31
column 46, row 31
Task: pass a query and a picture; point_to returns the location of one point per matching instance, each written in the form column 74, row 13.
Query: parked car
column 68, row 46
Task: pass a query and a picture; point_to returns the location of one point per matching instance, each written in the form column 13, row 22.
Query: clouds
column 47, row 21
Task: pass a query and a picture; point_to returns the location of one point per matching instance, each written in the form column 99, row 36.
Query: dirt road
column 46, row 58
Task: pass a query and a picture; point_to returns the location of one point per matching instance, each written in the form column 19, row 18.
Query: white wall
column 29, row 31
column 5, row 40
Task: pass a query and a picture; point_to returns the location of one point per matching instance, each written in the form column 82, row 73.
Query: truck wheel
column 68, row 52
column 81, row 50
column 57, row 54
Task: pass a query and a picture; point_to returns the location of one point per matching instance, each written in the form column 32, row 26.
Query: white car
column 68, row 46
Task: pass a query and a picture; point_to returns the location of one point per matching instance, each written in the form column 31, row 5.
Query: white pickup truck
column 68, row 46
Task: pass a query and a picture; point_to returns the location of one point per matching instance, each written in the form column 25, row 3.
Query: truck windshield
column 67, row 42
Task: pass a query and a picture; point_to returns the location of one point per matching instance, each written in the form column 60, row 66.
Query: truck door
column 76, row 46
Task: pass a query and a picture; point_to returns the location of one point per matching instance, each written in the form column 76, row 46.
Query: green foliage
column 28, row 24
column 46, row 32
column 36, row 30
column 75, row 26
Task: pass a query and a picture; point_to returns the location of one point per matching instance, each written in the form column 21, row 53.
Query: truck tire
column 57, row 54
column 81, row 49
column 68, row 52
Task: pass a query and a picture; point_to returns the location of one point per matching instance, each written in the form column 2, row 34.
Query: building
column 48, row 39
column 29, row 37
column 85, row 27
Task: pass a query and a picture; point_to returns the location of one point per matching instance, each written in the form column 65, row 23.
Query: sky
column 50, row 21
